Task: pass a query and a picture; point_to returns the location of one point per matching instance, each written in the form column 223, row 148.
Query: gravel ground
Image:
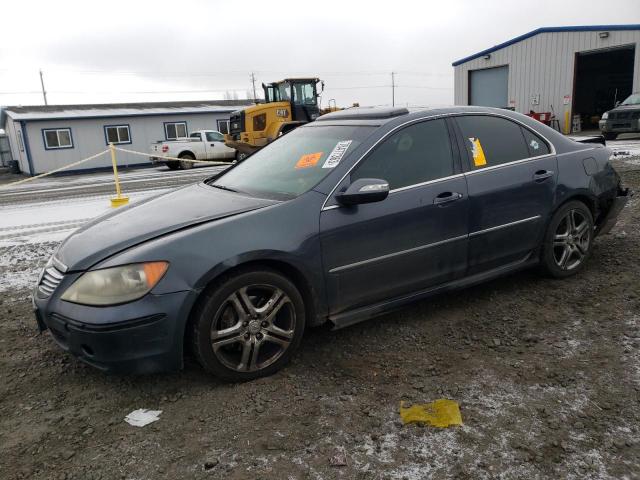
column 547, row 374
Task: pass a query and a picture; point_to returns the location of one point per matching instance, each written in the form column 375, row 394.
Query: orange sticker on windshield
column 309, row 160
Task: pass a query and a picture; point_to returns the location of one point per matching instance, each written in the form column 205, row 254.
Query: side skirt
column 361, row 314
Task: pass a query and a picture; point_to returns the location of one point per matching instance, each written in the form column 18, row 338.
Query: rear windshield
column 294, row 163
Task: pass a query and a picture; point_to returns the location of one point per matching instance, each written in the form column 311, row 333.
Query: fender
column 311, row 284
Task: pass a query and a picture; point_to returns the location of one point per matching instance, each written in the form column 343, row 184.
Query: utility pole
column 44, row 93
column 393, row 89
column 253, row 81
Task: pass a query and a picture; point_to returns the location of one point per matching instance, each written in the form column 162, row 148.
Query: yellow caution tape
column 6, row 185
column 166, row 157
column 440, row 413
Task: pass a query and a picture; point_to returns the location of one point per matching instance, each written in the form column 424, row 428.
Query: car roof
column 394, row 116
column 382, row 115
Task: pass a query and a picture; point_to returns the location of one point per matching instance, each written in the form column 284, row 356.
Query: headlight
column 115, row 285
column 605, row 115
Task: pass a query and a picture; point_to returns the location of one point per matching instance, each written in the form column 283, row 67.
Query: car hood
column 150, row 218
column 625, row 108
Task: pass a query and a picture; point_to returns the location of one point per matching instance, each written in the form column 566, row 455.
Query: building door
column 488, row 87
column 5, row 151
column 602, row 78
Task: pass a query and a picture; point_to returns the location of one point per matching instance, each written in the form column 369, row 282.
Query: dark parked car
column 343, row 219
column 625, row 118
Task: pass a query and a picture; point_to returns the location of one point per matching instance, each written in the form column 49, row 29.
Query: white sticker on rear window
column 336, row 154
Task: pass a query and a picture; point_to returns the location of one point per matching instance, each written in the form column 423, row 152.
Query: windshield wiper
column 222, row 187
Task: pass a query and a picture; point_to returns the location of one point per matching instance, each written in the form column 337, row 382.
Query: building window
column 175, row 130
column 117, row 134
column 223, row 126
column 20, row 141
column 56, row 138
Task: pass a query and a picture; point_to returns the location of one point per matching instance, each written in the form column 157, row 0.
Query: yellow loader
column 288, row 104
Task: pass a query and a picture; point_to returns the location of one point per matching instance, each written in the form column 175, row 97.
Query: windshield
column 632, row 99
column 294, row 163
column 304, row 94
column 283, row 91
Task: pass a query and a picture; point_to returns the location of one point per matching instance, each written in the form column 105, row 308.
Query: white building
column 43, row 138
column 568, row 71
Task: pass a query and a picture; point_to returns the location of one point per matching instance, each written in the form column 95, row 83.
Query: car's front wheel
column 248, row 326
column 568, row 240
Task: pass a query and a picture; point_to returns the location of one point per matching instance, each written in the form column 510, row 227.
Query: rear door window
column 418, row 153
column 536, row 145
column 492, row 140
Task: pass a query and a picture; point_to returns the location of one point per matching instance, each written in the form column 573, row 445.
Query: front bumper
column 611, row 217
column 143, row 336
column 619, row 125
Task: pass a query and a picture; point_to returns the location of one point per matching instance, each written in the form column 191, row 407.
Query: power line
column 182, row 73
column 359, row 87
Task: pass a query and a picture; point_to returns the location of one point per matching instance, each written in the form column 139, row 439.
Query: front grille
column 50, row 280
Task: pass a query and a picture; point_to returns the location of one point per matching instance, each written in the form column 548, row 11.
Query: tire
column 252, row 340
column 568, row 240
column 240, row 156
column 184, row 165
column 173, row 165
column 610, row 136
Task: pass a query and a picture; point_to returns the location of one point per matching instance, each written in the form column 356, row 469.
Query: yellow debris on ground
column 440, row 413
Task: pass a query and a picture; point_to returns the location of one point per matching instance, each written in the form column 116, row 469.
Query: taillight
column 165, row 148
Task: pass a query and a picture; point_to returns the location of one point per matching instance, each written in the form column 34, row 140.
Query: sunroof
column 364, row 113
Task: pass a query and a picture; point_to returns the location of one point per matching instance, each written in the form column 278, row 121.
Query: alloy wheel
column 253, row 328
column 572, row 240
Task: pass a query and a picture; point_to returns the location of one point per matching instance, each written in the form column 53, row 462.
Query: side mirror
column 364, row 190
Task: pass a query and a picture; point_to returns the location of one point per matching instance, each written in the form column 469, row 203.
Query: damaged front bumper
column 611, row 217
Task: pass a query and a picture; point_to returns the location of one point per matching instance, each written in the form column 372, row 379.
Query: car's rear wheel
column 239, row 156
column 185, row 164
column 248, row 326
column 610, row 136
column 568, row 240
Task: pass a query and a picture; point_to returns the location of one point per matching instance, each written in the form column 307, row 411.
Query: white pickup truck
column 200, row 145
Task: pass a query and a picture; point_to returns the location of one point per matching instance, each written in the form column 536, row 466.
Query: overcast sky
column 117, row 51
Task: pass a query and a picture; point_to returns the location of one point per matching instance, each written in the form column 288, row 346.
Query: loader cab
column 301, row 93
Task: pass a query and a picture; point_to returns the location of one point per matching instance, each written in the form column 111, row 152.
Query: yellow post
column 118, row 200
column 567, row 125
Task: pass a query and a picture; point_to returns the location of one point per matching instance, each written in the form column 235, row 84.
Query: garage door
column 488, row 87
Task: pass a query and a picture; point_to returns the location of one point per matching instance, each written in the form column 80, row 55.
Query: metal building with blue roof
column 576, row 73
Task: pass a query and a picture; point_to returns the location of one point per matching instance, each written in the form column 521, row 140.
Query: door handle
column 447, row 197
column 542, row 175
column 212, row 144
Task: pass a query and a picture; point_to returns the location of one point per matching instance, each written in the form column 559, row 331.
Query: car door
column 415, row 238
column 217, row 147
column 512, row 176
